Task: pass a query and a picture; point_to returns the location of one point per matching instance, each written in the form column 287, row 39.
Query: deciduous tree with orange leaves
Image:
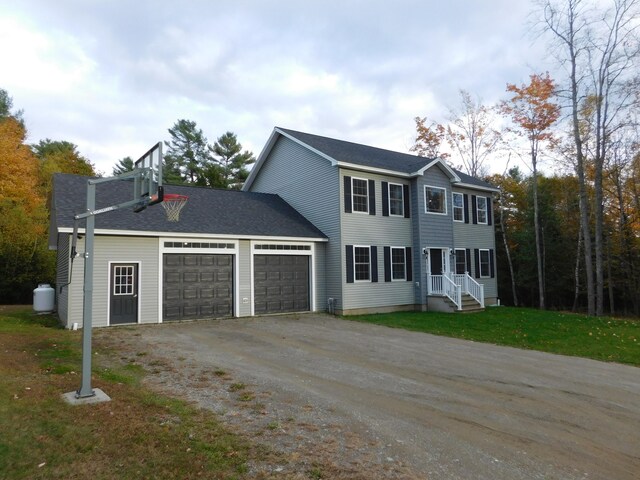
column 533, row 112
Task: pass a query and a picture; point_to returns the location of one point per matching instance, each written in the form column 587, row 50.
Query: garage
column 197, row 286
column 281, row 283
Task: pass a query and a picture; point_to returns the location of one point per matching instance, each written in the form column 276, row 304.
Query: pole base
column 98, row 397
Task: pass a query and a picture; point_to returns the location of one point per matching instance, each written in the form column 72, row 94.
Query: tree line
column 190, row 159
column 571, row 240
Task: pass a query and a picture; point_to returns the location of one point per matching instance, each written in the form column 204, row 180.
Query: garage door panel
column 197, row 286
column 281, row 283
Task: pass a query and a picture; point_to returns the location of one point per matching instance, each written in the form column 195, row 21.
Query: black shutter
column 491, row 266
column 347, row 194
column 474, row 209
column 489, row 211
column 374, row 264
column 372, row 197
column 387, row 264
column 385, row 199
column 349, row 263
column 466, row 208
column 476, row 252
column 468, row 255
column 407, row 201
column 409, row 264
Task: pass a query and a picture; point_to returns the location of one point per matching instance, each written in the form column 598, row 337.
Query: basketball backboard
column 148, row 184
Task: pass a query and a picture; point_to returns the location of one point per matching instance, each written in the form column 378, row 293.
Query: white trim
column 355, row 280
column 477, row 187
column 181, row 236
column 252, row 300
column 138, row 288
column 453, row 207
column 488, row 250
column 446, row 267
column 404, row 254
column 382, row 171
column 160, row 278
column 444, row 196
column 401, row 185
column 486, row 210
column 366, row 181
column 447, row 169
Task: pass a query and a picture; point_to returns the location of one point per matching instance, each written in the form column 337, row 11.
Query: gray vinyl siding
column 430, row 230
column 374, row 230
column 118, row 249
column 245, row 280
column 62, row 277
column 310, row 184
column 481, row 236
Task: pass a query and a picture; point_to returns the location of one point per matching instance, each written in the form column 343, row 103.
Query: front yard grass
column 139, row 434
column 607, row 339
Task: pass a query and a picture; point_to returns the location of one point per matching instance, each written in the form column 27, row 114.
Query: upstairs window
column 458, row 207
column 435, row 200
column 360, row 195
column 481, row 208
column 396, row 199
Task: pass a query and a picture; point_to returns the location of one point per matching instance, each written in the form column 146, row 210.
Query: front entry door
column 436, row 261
column 124, row 293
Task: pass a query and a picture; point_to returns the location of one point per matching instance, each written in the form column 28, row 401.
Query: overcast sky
column 113, row 76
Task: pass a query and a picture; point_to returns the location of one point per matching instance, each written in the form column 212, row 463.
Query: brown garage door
column 281, row 283
column 197, row 286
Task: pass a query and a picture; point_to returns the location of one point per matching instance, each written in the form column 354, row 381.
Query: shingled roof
column 372, row 157
column 208, row 211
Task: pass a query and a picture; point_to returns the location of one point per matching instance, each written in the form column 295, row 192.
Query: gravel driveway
column 375, row 402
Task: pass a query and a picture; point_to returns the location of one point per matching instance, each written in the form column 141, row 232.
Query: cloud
column 112, row 77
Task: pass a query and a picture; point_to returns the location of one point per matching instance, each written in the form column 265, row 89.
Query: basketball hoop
column 172, row 204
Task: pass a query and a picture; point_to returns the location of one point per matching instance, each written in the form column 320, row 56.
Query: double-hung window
column 435, row 200
column 362, row 264
column 485, row 263
column 360, row 195
column 481, row 209
column 396, row 199
column 461, row 261
column 458, row 207
column 398, row 262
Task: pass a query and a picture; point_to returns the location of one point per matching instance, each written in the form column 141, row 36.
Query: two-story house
column 403, row 231
column 323, row 224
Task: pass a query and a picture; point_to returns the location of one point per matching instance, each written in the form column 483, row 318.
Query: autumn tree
column 533, row 111
column 471, row 134
column 429, row 138
column 23, row 218
column 599, row 49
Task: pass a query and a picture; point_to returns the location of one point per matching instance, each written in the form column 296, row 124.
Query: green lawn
column 607, row 339
column 139, row 434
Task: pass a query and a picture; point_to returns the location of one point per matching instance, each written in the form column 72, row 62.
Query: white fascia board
column 383, row 171
column 136, row 233
column 477, row 187
column 448, row 170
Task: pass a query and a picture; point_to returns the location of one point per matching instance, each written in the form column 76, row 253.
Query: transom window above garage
column 198, row 245
column 279, row 246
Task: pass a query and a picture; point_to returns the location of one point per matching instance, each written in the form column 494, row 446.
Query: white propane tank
column 44, row 298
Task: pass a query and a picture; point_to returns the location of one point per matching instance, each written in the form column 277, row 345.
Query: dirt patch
column 342, row 399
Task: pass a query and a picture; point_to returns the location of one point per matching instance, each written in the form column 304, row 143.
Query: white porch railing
column 443, row 285
column 454, row 285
